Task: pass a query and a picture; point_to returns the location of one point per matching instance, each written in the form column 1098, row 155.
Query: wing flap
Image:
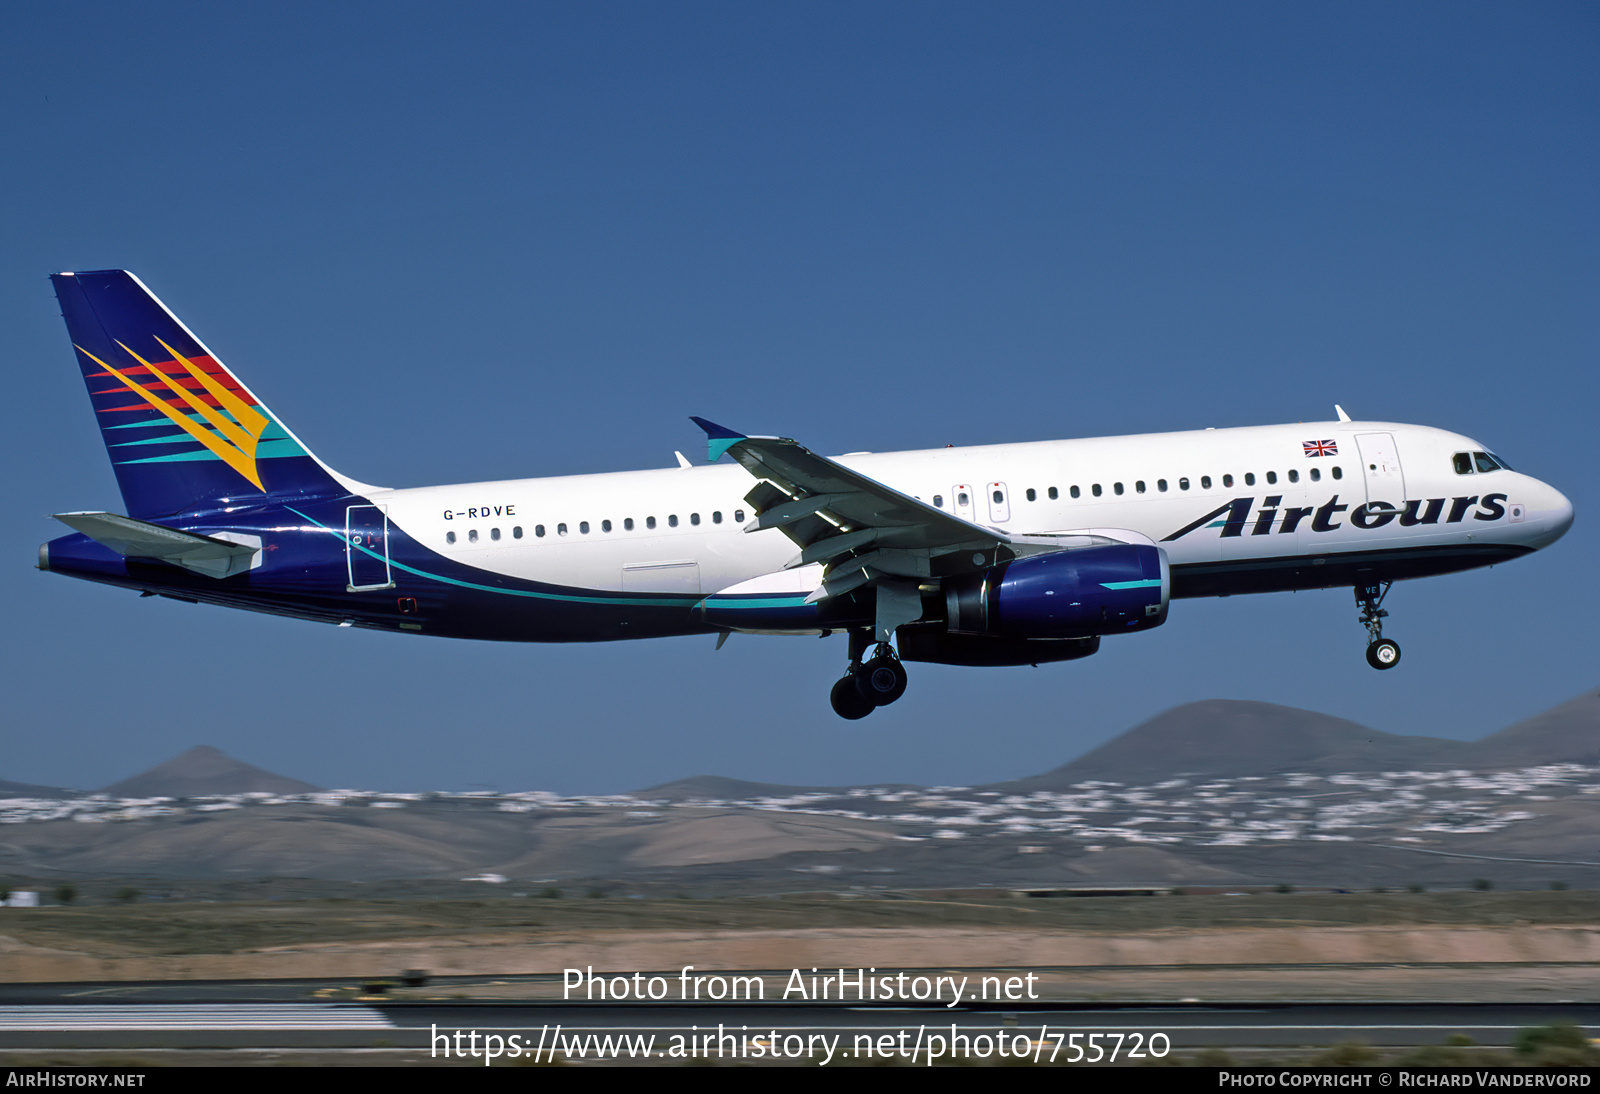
column 866, row 534
column 797, row 484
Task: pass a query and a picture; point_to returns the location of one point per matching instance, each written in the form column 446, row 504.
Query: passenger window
column 738, row 516
column 1032, row 496
column 627, row 524
column 472, row 536
column 1338, row 472
column 1139, row 486
column 1075, row 492
column 561, row 529
column 694, row 518
column 938, row 501
column 449, row 537
column 1463, row 463
column 1227, row 480
column 999, row 498
column 1161, row 485
column 583, row 527
column 538, row 530
column 1249, row 478
column 1096, row 489
column 1205, row 482
column 1294, row 476
column 963, row 500
column 1272, row 477
column 494, row 534
column 1116, row 488
column 516, row 533
column 1183, row 484
column 672, row 520
column 605, row 526
column 649, row 522
column 716, row 517
column 1054, row 495
column 1316, row 474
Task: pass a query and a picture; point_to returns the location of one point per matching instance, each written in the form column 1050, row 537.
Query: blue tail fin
column 182, row 432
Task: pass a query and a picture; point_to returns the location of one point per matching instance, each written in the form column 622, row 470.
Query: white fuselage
column 680, row 530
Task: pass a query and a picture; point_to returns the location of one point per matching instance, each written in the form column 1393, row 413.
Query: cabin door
column 366, row 548
column 1380, row 465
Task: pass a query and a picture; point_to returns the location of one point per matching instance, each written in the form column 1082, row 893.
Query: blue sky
column 475, row 241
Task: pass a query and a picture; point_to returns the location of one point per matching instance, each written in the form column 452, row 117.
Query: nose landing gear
column 1382, row 653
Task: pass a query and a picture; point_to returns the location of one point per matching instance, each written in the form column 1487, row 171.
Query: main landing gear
column 1382, row 653
column 869, row 684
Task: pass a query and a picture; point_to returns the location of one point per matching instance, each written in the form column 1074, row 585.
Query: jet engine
column 1045, row 607
column 1082, row 593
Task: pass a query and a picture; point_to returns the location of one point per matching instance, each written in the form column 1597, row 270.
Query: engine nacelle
column 1081, row 593
column 940, row 647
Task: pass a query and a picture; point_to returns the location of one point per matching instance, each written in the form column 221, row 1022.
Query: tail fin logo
column 231, row 430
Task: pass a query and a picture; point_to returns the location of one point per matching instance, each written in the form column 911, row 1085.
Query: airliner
column 1011, row 554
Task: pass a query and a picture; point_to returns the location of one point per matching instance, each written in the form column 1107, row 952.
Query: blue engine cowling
column 1065, row 594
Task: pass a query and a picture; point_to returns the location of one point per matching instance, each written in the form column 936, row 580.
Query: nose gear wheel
column 1382, row 653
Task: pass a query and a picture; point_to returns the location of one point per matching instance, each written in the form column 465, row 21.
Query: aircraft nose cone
column 1555, row 515
column 1561, row 516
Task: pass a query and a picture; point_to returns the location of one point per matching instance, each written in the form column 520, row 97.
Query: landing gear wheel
column 883, row 679
column 848, row 702
column 1383, row 654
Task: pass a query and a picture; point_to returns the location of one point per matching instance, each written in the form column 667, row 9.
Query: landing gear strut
column 1382, row 653
column 868, row 685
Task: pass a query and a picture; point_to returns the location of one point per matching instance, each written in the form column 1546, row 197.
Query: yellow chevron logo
column 232, row 437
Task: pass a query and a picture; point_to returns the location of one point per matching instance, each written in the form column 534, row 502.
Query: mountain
column 717, row 788
column 29, row 790
column 1232, row 737
column 1569, row 733
column 205, row 771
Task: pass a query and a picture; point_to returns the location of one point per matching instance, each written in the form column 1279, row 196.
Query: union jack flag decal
column 1320, row 448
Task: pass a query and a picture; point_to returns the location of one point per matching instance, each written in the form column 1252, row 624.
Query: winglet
column 718, row 438
column 1339, row 410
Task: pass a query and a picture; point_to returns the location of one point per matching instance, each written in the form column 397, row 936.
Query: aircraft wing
column 860, row 529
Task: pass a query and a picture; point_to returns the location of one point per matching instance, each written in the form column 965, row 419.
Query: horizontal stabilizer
column 141, row 539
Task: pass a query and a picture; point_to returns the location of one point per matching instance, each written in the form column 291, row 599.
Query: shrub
column 1560, row 1043
column 1347, row 1054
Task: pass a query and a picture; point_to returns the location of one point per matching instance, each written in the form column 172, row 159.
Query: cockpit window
column 1463, row 463
column 1485, row 461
